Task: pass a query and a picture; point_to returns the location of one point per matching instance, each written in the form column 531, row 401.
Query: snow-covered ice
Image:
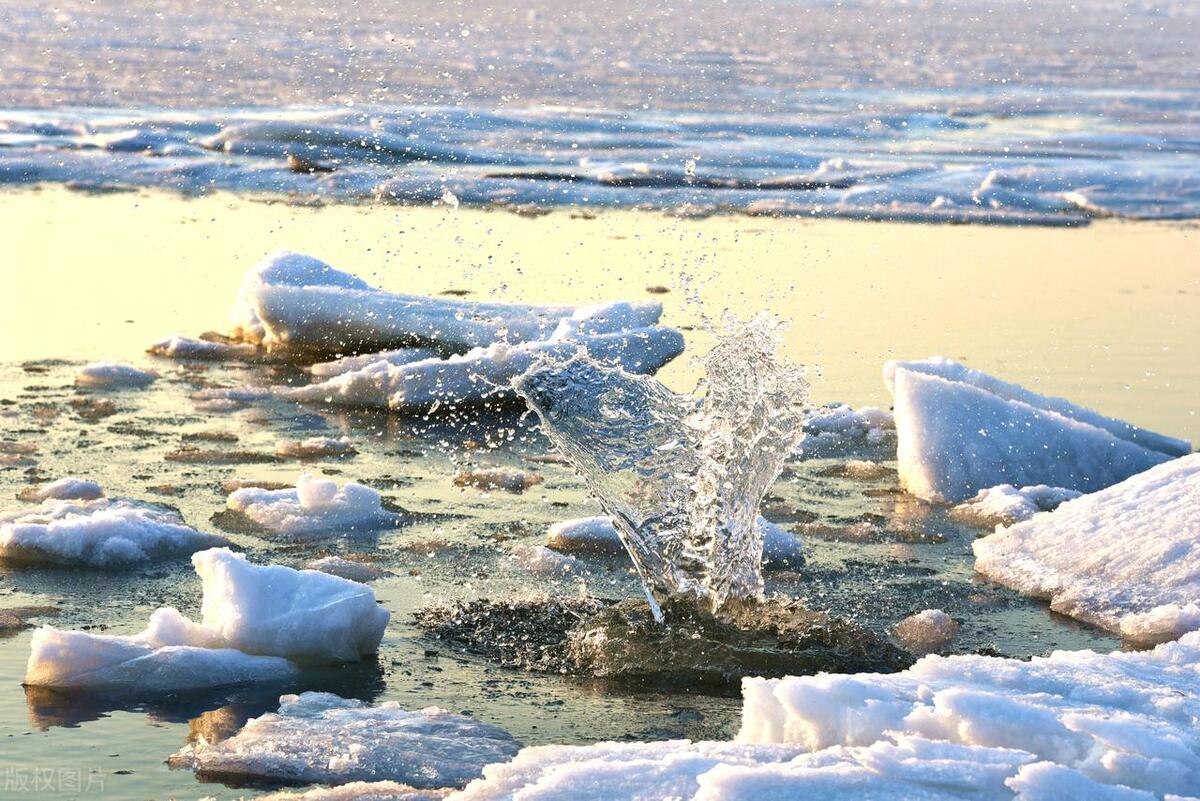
column 508, row 479
column 349, row 364
column 68, row 488
column 316, row 506
column 346, row 568
column 359, row 791
column 960, row 431
column 1006, row 504
column 961, row 374
column 927, row 631
column 542, row 561
column 104, row 533
column 108, row 375
column 1126, row 558
column 190, row 348
column 315, row 447
column 297, row 302
column 1118, row 720
column 598, row 536
column 485, row 373
column 303, row 615
column 172, row 654
column 319, row 737
column 839, row 430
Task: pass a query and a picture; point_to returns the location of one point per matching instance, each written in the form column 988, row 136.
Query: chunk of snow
column 349, row 364
column 1126, row 558
column 541, row 561
column 1006, row 504
column 189, row 348
column 961, row 374
column 597, row 535
column 302, row 615
column 315, row 506
column 955, row 439
column 508, row 479
column 69, row 488
column 172, row 654
column 104, row 533
column 484, row 374
column 107, row 375
column 293, row 301
column 319, row 737
column 1120, row 719
column 838, row 430
column 346, row 568
column 927, row 631
column 315, row 447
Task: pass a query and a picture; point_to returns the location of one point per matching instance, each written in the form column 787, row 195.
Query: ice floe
column 1091, row 725
column 190, row 348
column 542, row 561
column 359, row 791
column 172, row 654
column 303, row 615
column 1126, row 558
column 103, row 533
column 108, row 375
column 1006, row 504
column 960, row 431
column 68, row 488
column 484, row 374
column 293, row 301
column 508, row 479
column 315, row 506
column 319, row 737
column 598, row 536
column 840, row 430
column 349, row 364
column 315, row 447
column 927, row 631
column 346, row 568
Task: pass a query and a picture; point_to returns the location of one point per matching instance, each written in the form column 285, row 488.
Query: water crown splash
column 681, row 475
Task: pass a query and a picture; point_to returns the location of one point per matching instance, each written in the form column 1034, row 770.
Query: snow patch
column 315, row 448
column 68, row 488
column 927, row 631
column 191, row 349
column 1006, row 504
column 349, row 364
column 315, row 506
column 346, row 568
column 319, row 737
column 108, row 375
column 101, row 533
column 1126, row 558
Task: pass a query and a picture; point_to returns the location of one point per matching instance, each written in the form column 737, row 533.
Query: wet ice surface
column 873, row 554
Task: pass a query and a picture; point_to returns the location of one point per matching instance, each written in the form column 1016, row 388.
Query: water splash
column 681, row 475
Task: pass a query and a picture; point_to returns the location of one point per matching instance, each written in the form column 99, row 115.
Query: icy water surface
column 457, row 545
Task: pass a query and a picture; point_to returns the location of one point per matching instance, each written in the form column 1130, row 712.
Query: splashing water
column 681, row 475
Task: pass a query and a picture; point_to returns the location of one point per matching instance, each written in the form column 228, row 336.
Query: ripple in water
column 681, row 475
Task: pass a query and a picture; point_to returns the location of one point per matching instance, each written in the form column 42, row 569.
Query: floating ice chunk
column 107, row 375
column 839, row 430
column 315, row 506
column 955, row 438
column 315, row 447
column 359, row 791
column 172, row 654
column 189, row 348
column 297, row 302
column 346, row 568
column 541, row 561
column 319, row 737
column 1126, row 558
column 484, row 374
column 349, row 364
column 597, row 535
column 69, row 488
column 101, row 533
column 961, row 374
column 1006, row 504
column 508, row 479
column 1119, row 719
column 927, row 631
column 303, row 615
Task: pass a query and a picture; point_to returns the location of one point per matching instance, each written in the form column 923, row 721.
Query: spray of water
column 681, row 475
